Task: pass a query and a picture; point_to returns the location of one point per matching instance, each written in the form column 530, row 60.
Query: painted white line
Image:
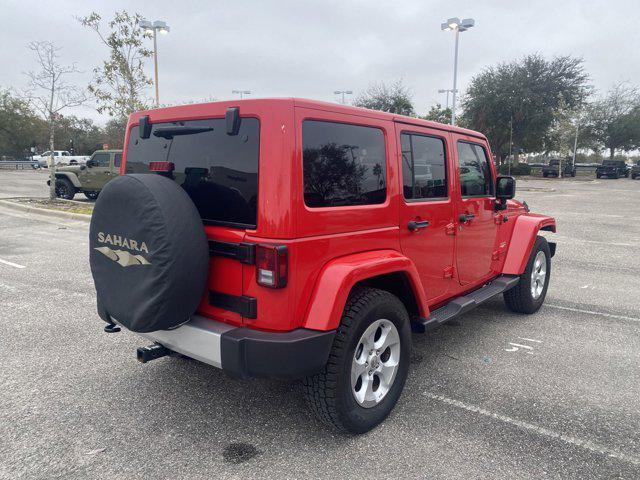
column 530, row 339
column 591, row 312
column 11, row 264
column 522, row 346
column 568, row 439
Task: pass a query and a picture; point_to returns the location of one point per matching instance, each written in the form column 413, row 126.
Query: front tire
column 91, row 195
column 65, row 189
column 529, row 294
column 367, row 366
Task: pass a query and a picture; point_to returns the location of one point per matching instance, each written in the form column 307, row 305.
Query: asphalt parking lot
column 490, row 395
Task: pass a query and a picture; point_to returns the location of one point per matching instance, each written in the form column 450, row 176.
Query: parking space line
column 11, row 264
column 571, row 440
column 591, row 312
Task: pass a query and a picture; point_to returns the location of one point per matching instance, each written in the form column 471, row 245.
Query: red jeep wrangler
column 299, row 239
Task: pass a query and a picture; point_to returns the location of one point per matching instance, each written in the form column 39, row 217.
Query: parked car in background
column 60, row 157
column 635, row 170
column 103, row 166
column 553, row 168
column 612, row 169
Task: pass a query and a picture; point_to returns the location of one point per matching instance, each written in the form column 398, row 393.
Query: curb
column 46, row 212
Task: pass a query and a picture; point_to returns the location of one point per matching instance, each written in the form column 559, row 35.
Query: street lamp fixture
column 447, row 91
column 457, row 26
column 153, row 28
column 343, row 93
column 242, row 93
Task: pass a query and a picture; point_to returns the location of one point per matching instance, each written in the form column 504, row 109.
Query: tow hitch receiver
column 146, row 354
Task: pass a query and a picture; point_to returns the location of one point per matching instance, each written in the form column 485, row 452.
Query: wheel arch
column 523, row 238
column 71, row 177
column 384, row 269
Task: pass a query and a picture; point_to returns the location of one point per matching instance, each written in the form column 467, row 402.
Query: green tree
column 521, row 98
column 20, row 127
column 79, row 134
column 114, row 131
column 615, row 119
column 119, row 83
column 394, row 98
column 438, row 114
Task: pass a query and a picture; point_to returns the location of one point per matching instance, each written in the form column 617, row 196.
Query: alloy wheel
column 375, row 363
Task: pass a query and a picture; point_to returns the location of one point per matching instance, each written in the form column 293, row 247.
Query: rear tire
column 334, row 394
column 529, row 294
column 65, row 189
column 545, row 174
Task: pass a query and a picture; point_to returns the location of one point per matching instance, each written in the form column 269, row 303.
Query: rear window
column 218, row 171
column 343, row 164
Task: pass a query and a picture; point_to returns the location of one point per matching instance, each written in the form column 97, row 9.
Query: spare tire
column 148, row 252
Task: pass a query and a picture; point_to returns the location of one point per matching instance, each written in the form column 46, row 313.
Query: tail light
column 272, row 267
column 163, row 167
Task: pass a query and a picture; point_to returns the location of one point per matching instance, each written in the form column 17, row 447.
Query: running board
column 465, row 303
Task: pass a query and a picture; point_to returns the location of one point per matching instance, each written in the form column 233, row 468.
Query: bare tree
column 50, row 93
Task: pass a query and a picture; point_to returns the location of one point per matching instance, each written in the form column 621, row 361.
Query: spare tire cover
column 148, row 252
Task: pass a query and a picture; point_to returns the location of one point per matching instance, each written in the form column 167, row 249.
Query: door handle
column 466, row 217
column 414, row 225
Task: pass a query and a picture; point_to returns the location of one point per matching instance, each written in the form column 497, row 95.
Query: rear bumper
column 245, row 353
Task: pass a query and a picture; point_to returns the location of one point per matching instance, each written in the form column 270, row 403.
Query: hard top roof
column 310, row 104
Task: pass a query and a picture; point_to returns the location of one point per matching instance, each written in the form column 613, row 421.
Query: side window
column 475, row 173
column 101, row 159
column 65, row 154
column 117, row 159
column 343, row 164
column 424, row 167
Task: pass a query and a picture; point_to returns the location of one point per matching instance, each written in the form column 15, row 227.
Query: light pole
column 457, row 26
column 153, row 28
column 447, row 91
column 242, row 93
column 343, row 93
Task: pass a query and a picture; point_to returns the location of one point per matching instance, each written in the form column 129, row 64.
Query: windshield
column 218, row 171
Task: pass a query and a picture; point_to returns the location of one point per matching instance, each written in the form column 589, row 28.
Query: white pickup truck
column 60, row 157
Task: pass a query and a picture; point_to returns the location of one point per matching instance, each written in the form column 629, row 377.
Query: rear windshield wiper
column 170, row 132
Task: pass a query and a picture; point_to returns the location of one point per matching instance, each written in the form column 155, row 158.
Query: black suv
column 612, row 169
column 553, row 168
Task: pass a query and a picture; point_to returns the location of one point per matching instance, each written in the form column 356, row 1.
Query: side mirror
column 505, row 190
column 90, row 163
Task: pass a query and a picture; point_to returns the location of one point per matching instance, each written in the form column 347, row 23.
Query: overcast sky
column 311, row 48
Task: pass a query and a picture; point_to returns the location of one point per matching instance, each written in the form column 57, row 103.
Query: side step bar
column 465, row 303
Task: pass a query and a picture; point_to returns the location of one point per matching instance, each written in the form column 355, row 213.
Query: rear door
column 219, row 172
column 477, row 229
column 426, row 209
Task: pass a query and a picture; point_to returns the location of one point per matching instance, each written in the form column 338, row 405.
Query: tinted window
column 218, row 171
column 475, row 173
column 343, row 164
column 117, row 159
column 424, row 170
column 101, row 159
